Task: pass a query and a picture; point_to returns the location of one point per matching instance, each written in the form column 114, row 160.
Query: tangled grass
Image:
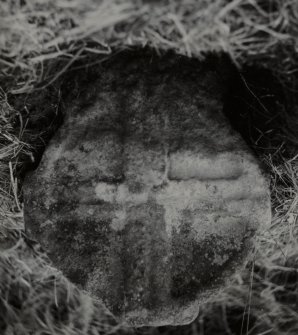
column 37, row 31
column 40, row 40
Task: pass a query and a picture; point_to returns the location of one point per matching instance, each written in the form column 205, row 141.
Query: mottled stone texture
column 146, row 197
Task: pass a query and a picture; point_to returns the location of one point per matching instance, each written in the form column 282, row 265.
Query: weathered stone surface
column 146, row 197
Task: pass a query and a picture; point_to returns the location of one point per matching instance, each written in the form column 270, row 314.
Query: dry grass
column 37, row 299
column 41, row 30
column 34, row 297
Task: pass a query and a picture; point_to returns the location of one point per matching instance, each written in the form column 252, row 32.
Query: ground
column 42, row 40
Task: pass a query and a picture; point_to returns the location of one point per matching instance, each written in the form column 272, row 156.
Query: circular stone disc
column 146, row 197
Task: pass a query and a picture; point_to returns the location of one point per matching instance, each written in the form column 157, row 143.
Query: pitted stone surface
column 146, row 197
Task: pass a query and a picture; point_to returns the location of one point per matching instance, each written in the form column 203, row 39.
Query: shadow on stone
column 254, row 102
